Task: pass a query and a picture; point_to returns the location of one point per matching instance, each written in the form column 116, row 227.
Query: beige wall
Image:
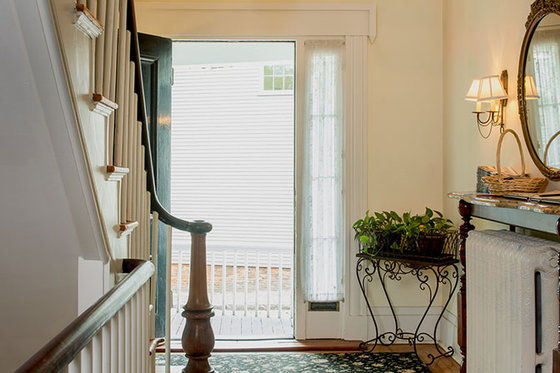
column 405, row 95
column 481, row 37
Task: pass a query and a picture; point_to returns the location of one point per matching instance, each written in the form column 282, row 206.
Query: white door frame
column 356, row 25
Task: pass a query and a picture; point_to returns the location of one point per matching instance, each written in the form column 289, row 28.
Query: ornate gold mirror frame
column 539, row 9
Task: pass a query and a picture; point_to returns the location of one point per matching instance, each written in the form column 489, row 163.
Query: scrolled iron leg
column 368, row 276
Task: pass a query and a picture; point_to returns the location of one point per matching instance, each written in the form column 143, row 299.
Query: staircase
column 99, row 56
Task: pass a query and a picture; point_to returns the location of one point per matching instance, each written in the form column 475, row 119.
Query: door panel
column 156, row 60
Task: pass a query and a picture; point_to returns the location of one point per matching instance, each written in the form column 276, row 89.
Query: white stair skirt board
column 502, row 322
column 86, row 22
column 102, row 105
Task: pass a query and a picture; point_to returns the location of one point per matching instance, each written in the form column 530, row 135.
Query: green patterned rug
column 308, row 362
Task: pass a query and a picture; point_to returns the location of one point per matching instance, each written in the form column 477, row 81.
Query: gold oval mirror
column 538, row 87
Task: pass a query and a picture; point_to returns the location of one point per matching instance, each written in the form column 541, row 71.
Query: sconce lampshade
column 472, row 94
column 531, row 88
column 491, row 89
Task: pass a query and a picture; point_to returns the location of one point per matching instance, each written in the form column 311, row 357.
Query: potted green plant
column 387, row 231
column 379, row 232
column 433, row 230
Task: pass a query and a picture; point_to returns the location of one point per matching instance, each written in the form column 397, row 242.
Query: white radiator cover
column 501, row 336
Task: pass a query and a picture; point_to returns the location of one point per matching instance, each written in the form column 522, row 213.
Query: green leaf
column 364, row 239
column 429, row 212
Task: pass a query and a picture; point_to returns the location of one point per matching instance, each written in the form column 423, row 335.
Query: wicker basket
column 497, row 184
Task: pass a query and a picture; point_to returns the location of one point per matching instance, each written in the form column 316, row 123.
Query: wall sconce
column 491, row 90
column 531, row 88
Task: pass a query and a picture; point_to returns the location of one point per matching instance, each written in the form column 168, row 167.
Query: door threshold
column 275, row 345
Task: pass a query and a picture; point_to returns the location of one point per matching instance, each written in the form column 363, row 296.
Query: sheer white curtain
column 322, row 234
column 546, row 65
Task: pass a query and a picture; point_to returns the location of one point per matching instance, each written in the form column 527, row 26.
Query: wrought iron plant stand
column 445, row 273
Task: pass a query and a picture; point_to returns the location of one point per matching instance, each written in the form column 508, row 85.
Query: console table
column 534, row 215
column 444, row 272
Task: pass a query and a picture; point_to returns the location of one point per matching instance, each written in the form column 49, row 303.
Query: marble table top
column 532, row 202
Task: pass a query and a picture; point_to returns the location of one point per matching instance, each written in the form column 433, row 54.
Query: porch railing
column 242, row 283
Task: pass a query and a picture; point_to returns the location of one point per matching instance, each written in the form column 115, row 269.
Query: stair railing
column 198, row 337
column 111, row 335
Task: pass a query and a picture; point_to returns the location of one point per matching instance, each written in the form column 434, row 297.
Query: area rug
column 308, row 362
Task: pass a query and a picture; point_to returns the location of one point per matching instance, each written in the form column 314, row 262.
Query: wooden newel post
column 198, row 337
column 465, row 209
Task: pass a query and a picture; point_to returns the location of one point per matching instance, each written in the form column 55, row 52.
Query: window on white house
column 278, row 77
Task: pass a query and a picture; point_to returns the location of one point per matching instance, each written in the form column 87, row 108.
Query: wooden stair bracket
column 127, row 228
column 198, row 337
column 102, row 105
column 115, row 173
column 86, row 22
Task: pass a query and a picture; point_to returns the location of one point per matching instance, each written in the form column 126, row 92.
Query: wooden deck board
column 239, row 327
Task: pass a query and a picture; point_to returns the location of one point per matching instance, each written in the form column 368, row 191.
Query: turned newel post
column 198, row 337
column 465, row 209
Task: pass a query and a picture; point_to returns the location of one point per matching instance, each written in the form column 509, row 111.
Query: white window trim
column 351, row 322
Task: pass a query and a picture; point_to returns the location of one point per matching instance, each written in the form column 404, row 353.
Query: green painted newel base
column 307, row 362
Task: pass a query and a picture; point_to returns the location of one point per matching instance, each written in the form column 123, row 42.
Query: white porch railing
column 242, row 284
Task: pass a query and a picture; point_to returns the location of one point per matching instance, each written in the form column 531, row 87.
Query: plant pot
column 386, row 240
column 431, row 244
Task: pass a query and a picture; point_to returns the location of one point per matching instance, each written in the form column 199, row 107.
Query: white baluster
column 246, row 285
column 291, row 279
column 100, row 47
column 269, row 283
column 87, row 359
column 121, row 122
column 257, row 271
column 106, row 346
column 113, row 356
column 224, row 274
column 153, row 280
column 130, row 146
column 280, row 283
column 97, row 352
column 133, row 333
column 108, row 50
column 128, row 338
column 179, row 280
column 119, row 358
column 168, row 301
column 139, row 194
column 234, row 282
column 144, row 328
column 212, row 275
column 142, row 219
column 146, row 252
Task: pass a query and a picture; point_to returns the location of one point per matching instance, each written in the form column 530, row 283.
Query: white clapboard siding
column 232, row 157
